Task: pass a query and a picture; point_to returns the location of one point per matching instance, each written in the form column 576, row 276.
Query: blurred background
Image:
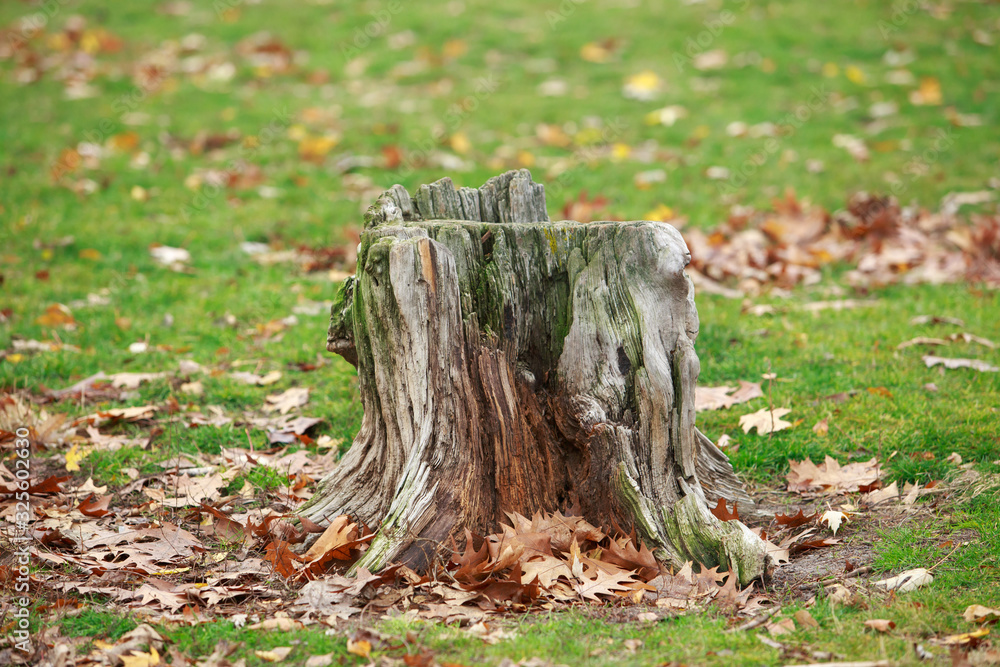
column 190, row 176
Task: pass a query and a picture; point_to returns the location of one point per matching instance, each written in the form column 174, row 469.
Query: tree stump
column 507, row 363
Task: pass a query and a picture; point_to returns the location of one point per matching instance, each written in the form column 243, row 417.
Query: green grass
column 791, row 49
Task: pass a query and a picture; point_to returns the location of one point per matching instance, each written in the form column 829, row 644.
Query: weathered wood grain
column 509, row 363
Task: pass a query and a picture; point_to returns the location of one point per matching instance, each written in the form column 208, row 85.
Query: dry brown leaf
column 723, row 514
column 716, row 398
column 830, row 477
column 880, row 624
column 765, row 421
column 977, row 613
column 804, row 618
column 335, row 541
column 287, row 400
column 795, row 520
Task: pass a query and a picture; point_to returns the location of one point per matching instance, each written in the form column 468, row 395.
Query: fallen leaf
column 139, row 659
column 335, row 540
column 977, row 613
column 287, row 400
column 833, row 519
column 881, row 495
column 276, row 654
column 644, row 86
column 965, row 637
column 785, row 626
column 951, row 364
column 56, row 315
column 319, row 660
column 73, row 458
column 723, row 514
column 362, row 647
column 795, row 520
column 906, row 581
column 839, row 594
column 765, row 421
column 880, row 624
column 172, row 258
column 715, row 398
column 805, row 618
column 821, row 428
column 95, row 507
column 830, row 476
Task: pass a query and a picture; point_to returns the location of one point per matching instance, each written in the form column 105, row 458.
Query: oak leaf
column 723, row 514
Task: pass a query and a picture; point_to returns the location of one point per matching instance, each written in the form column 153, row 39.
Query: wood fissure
column 511, row 364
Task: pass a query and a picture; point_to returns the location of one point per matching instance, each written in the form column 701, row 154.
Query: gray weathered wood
column 521, row 365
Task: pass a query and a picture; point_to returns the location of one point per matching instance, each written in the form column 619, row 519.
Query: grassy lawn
column 139, row 110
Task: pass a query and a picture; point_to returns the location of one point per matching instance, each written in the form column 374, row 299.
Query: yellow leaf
column 73, row 458
column 454, row 48
column 594, row 53
column 15, row 358
column 102, row 645
column 141, row 659
column 362, row 648
column 90, row 42
column 930, row 91
column 525, row 159
column 966, row 637
column 854, row 74
column 460, row 143
column 276, row 654
column 315, row 148
column 643, row 86
column 830, row 70
column 90, row 253
column 661, row 213
column 620, row 151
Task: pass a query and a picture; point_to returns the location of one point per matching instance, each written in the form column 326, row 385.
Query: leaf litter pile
column 189, row 545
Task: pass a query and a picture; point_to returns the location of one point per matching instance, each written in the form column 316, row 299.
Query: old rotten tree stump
column 511, row 364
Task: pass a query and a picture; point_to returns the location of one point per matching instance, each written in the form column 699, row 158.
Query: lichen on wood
column 508, row 363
